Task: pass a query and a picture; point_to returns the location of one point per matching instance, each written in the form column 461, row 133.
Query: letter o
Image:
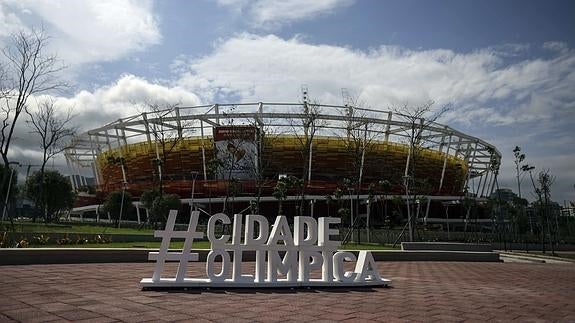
column 225, row 272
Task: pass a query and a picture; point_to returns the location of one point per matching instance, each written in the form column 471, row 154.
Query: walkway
column 422, row 291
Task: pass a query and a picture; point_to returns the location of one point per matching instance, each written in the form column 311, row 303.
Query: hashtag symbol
column 185, row 255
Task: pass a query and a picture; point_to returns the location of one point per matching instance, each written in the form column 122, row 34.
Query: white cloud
column 273, row 13
column 556, row 46
column 9, row 21
column 88, row 31
column 480, row 85
column 125, row 97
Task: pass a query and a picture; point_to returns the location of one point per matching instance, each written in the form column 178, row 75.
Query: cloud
column 87, row 31
column 9, row 21
column 269, row 14
column 123, row 98
column 482, row 85
column 556, row 46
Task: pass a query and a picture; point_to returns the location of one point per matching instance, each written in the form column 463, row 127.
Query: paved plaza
column 422, row 291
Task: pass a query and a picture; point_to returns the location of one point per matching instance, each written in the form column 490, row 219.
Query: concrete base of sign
column 147, row 283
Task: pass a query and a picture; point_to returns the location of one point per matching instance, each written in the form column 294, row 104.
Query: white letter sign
column 306, row 257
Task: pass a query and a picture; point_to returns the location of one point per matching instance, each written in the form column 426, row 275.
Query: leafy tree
column 159, row 206
column 521, row 168
column 58, row 195
column 118, row 202
column 162, row 205
column 147, row 198
column 282, row 188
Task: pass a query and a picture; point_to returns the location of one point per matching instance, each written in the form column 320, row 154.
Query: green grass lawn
column 197, row 245
column 559, row 255
column 74, row 229
column 71, row 228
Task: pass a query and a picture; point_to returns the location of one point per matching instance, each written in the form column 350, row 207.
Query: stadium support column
column 123, row 132
column 485, row 182
column 478, row 194
column 94, row 162
column 217, row 113
column 310, row 161
column 158, row 161
column 147, row 126
column 178, row 122
column 108, row 140
column 121, row 157
column 491, row 175
column 427, row 209
column 81, row 178
column 203, row 150
column 470, row 164
column 444, row 163
column 494, row 177
column 457, row 150
column 72, row 180
column 388, row 126
column 466, row 161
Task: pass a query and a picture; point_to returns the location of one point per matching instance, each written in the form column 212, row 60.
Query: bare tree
column 418, row 119
column 27, row 71
column 545, row 180
column 359, row 139
column 54, row 131
column 260, row 164
column 304, row 130
column 159, row 121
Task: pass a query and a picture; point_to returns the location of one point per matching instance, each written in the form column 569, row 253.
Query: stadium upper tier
column 271, row 139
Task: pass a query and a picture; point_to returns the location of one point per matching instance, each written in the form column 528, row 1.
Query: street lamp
column 124, row 184
column 9, row 187
column 410, row 223
column 194, row 177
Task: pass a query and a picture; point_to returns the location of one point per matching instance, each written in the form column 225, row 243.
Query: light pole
column 9, row 187
column 194, row 177
column 409, row 215
column 122, row 202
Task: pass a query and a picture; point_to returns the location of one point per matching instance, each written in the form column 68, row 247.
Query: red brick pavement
column 422, row 291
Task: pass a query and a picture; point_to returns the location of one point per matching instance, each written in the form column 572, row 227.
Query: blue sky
column 507, row 68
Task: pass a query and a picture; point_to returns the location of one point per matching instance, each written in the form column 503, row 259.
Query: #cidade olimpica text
column 278, row 252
